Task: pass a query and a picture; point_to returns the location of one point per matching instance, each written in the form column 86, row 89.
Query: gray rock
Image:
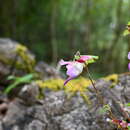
column 10, row 59
column 36, row 125
column 46, row 71
column 29, row 93
column 57, row 112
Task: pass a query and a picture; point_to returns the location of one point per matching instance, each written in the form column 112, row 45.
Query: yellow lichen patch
column 77, row 85
column 21, row 47
column 53, row 84
column 27, row 60
column 112, row 78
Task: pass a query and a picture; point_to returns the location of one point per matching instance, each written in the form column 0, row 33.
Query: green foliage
column 127, row 31
column 128, row 127
column 94, row 58
column 128, row 23
column 17, row 81
column 106, row 108
column 72, row 25
column 128, row 104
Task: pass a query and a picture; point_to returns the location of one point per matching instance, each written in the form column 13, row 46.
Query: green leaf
column 128, row 127
column 126, row 32
column 127, row 104
column 92, row 60
column 12, row 77
column 128, row 23
column 17, row 81
column 25, row 78
column 76, row 57
column 104, row 109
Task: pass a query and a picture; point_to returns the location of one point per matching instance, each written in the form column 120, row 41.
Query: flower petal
column 62, row 62
column 68, row 79
column 74, row 69
column 87, row 58
column 129, row 55
column 129, row 66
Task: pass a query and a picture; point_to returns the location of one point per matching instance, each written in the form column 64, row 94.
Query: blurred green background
column 55, row 29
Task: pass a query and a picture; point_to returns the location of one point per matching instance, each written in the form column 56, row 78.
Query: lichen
column 28, row 61
column 78, row 85
column 75, row 86
column 53, row 84
column 112, row 78
column 23, row 59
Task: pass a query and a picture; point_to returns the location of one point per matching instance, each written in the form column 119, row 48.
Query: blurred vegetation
column 57, row 29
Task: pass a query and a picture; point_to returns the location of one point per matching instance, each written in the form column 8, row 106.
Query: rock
column 14, row 58
column 29, row 93
column 58, row 112
column 37, row 125
column 55, row 113
column 46, row 71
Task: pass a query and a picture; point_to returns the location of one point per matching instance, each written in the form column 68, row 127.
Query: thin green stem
column 89, row 75
column 96, row 90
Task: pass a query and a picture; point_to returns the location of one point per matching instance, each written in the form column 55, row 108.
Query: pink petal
column 129, row 66
column 68, row 79
column 129, row 55
column 62, row 62
column 85, row 57
column 74, row 69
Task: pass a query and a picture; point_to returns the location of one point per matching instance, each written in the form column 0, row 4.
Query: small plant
column 17, row 81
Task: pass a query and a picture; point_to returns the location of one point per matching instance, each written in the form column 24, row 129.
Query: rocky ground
column 56, row 111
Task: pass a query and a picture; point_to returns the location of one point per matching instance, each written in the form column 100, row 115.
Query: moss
column 112, row 78
column 77, row 85
column 53, row 84
column 28, row 62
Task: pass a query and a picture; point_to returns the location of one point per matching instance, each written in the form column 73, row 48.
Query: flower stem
column 89, row 75
column 96, row 90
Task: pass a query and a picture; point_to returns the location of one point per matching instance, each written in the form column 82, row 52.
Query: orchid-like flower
column 75, row 67
column 129, row 59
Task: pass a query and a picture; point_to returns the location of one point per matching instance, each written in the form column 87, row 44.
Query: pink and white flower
column 75, row 68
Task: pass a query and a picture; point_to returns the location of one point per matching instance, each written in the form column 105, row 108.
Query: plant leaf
column 127, row 104
column 17, row 81
column 126, row 32
column 128, row 23
column 104, row 109
column 128, row 127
